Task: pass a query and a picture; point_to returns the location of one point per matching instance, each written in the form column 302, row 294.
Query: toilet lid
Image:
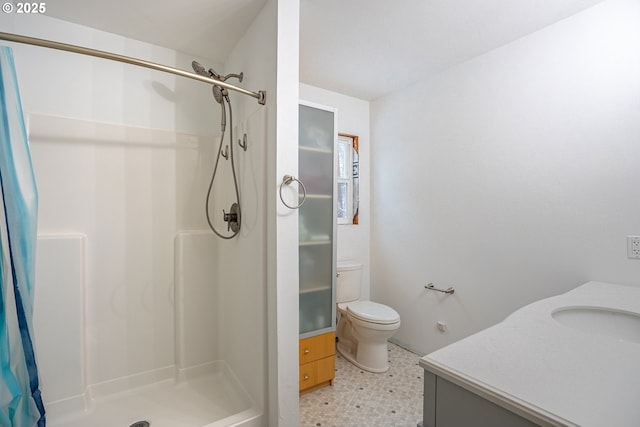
column 373, row 312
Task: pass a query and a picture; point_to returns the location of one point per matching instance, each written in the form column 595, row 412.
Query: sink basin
column 602, row 321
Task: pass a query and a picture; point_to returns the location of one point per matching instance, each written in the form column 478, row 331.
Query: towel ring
column 288, row 179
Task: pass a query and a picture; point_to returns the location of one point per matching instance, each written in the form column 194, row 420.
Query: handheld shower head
column 218, row 94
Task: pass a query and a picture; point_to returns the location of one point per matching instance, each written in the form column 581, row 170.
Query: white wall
column 243, row 260
column 353, row 118
column 282, row 249
column 511, row 177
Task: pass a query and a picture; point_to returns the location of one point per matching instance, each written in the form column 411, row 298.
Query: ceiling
column 362, row 48
column 205, row 28
column 369, row 48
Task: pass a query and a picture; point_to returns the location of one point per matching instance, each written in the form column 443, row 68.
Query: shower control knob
column 229, row 218
column 232, row 218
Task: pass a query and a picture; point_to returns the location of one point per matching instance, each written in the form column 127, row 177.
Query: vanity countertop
column 549, row 373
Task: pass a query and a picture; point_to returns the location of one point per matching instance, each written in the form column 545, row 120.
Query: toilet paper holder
column 430, row 286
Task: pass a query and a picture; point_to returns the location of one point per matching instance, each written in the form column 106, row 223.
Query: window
column 347, row 179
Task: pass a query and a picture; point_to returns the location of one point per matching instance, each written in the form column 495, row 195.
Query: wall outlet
column 633, row 247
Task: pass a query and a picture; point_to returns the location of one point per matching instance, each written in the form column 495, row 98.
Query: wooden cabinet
column 317, row 361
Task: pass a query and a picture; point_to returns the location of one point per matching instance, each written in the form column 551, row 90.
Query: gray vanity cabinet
column 449, row 405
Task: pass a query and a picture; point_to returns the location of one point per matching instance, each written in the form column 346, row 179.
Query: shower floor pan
column 214, row 399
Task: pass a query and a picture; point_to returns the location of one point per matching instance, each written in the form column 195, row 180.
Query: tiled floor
column 362, row 399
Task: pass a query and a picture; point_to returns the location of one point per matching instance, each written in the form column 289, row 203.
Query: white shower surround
column 122, row 156
column 141, row 332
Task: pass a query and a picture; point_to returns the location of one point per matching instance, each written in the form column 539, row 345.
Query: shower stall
column 143, row 316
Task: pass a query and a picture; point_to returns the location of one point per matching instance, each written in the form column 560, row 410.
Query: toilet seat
column 373, row 312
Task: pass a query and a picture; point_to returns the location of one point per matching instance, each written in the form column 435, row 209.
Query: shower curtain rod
column 260, row 95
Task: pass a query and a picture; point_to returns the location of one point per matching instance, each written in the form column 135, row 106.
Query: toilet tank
column 348, row 281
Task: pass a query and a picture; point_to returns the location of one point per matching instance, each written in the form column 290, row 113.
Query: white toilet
column 363, row 326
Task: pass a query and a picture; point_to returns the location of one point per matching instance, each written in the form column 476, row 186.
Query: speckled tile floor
column 363, row 399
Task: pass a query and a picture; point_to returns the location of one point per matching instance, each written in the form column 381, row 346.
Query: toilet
column 363, row 326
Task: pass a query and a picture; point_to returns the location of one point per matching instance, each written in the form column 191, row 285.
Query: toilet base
column 364, row 343
column 346, row 352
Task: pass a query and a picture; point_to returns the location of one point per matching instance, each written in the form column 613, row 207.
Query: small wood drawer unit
column 317, row 361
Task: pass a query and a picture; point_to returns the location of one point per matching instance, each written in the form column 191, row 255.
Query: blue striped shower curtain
column 20, row 401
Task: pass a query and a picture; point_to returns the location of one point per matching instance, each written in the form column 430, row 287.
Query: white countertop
column 550, row 373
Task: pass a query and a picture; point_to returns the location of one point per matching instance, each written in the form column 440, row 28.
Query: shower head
column 218, row 92
column 199, row 69
column 211, row 73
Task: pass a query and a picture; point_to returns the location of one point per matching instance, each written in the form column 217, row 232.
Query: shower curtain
column 20, row 401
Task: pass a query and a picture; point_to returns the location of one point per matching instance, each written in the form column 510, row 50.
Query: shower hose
column 233, row 170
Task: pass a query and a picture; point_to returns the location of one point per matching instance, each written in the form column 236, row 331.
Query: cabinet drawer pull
column 307, row 351
column 306, row 377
